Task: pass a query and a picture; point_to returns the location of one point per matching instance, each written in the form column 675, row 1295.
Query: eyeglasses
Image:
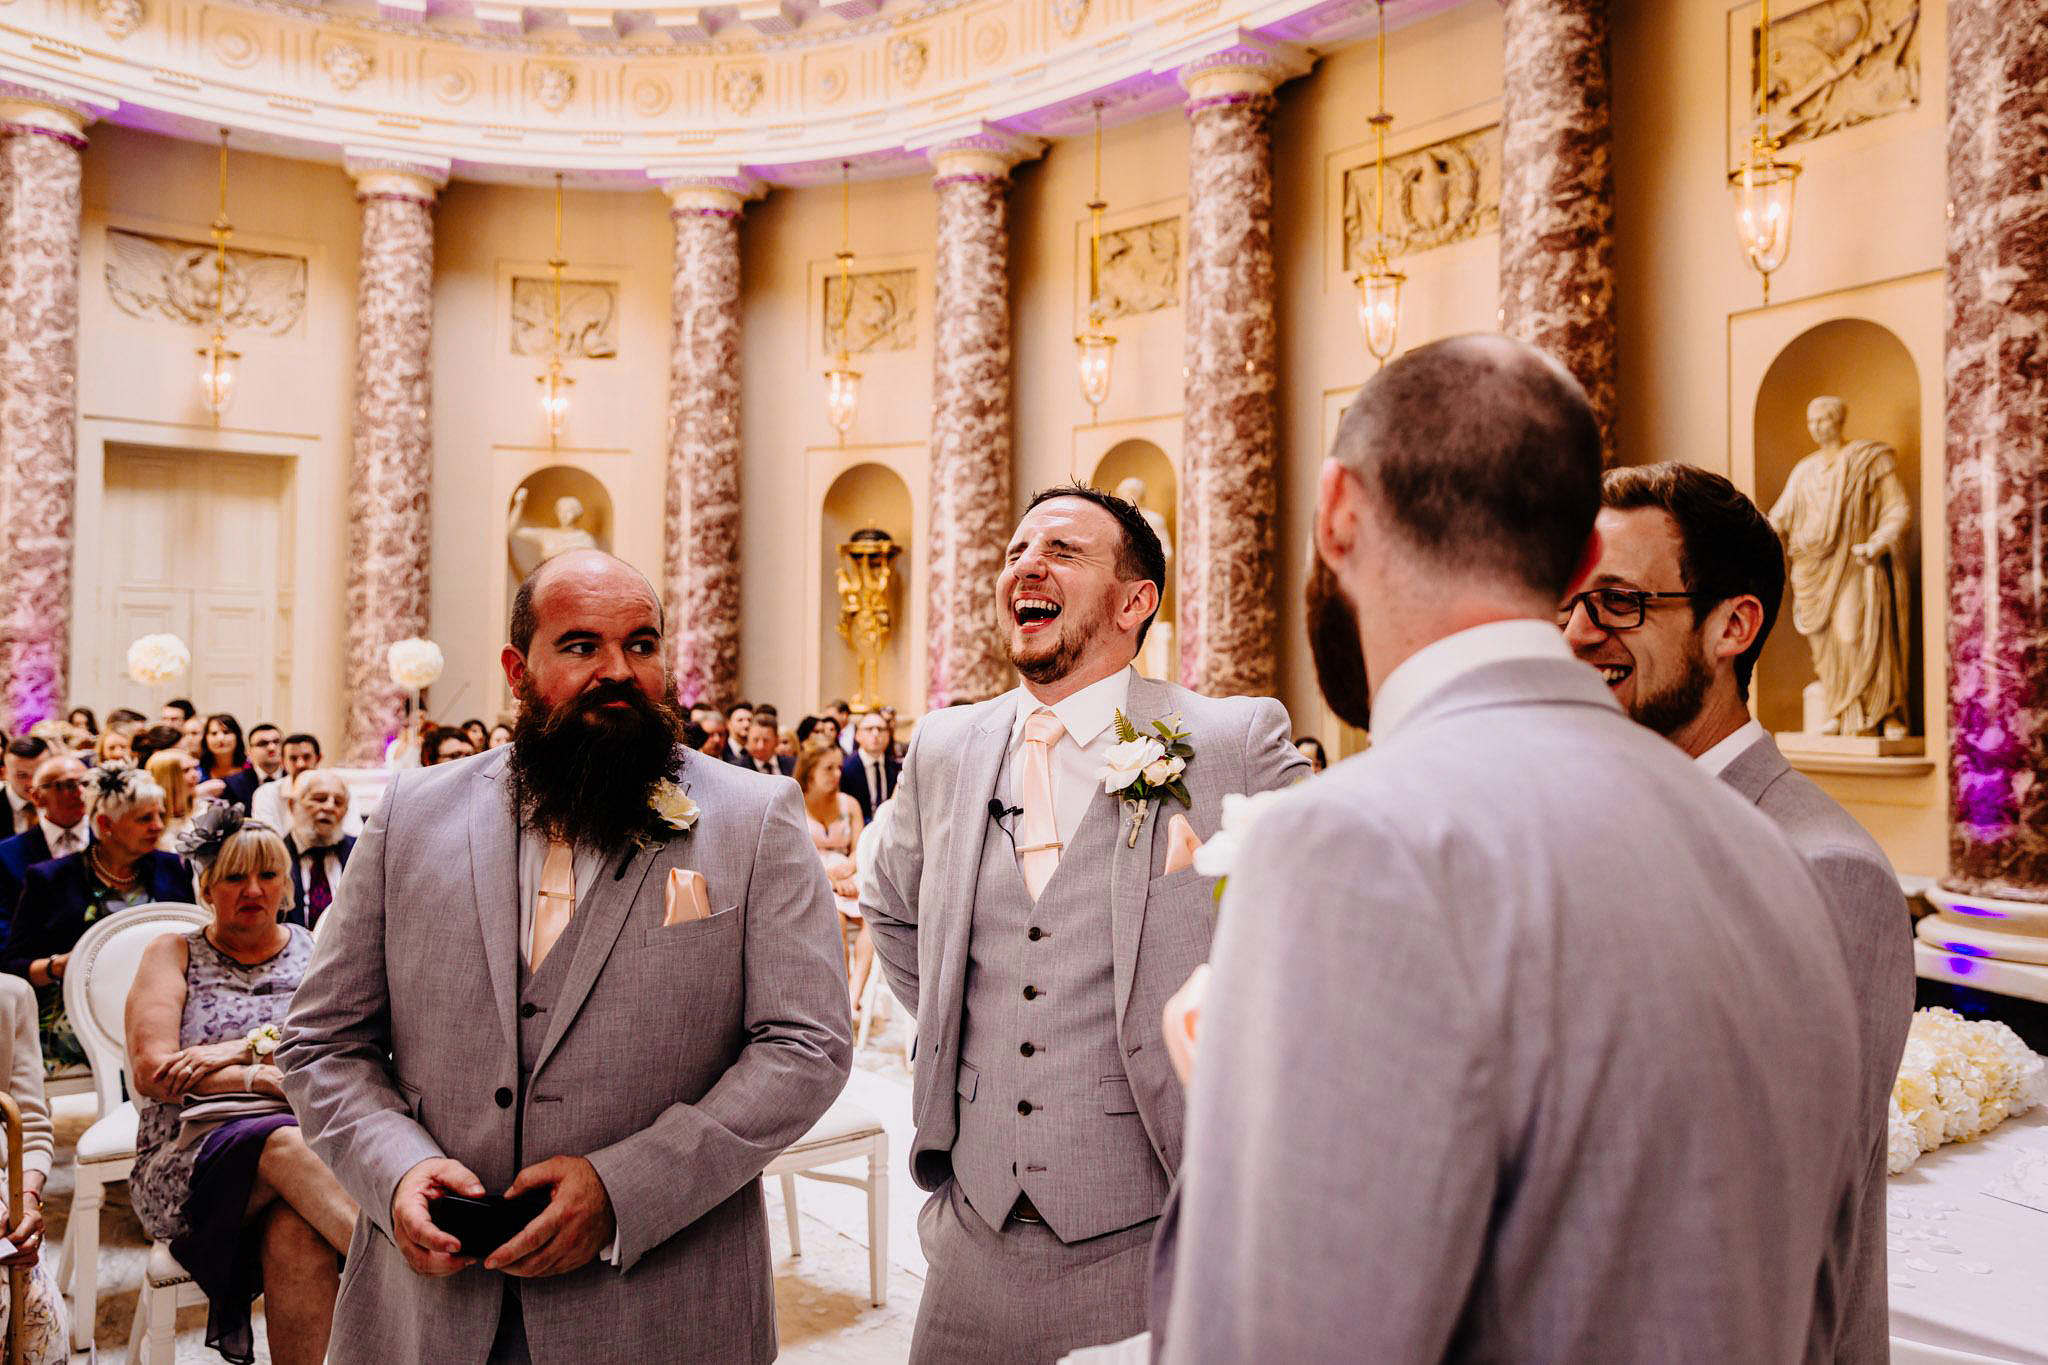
column 67, row 784
column 1618, row 608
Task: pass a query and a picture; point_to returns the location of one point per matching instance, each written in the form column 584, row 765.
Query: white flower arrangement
column 1218, row 855
column 1958, row 1079
column 415, row 663
column 262, row 1041
column 673, row 807
column 1145, row 769
column 154, row 660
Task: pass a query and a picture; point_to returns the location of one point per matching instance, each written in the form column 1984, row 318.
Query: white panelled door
column 195, row 545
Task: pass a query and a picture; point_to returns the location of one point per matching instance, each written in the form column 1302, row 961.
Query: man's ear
column 1734, row 627
column 1141, row 600
column 514, row 664
column 1340, row 510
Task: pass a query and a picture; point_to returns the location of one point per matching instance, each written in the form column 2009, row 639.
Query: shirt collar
column 1437, row 664
column 53, row 833
column 1085, row 714
column 1717, row 759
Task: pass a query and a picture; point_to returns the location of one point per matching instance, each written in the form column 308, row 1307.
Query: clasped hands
column 178, row 1074
column 564, row 1236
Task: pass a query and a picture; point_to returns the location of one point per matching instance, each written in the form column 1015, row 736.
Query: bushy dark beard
column 1671, row 710
column 1334, row 644
column 584, row 774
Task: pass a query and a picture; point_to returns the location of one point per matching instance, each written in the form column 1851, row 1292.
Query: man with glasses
column 60, row 830
column 1675, row 616
column 266, row 764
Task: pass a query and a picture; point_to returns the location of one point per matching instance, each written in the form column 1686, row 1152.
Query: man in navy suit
column 60, row 828
column 266, row 763
column 318, row 804
column 763, row 736
column 870, row 773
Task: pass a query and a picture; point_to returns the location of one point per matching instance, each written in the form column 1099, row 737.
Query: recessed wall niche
column 867, row 496
column 1870, row 370
column 556, row 508
column 1159, row 496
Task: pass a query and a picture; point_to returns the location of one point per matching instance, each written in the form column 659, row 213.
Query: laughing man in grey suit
column 505, row 996
column 1048, row 1116
column 1524, row 1041
column 1718, row 568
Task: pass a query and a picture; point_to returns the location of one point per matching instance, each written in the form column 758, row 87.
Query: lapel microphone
column 999, row 812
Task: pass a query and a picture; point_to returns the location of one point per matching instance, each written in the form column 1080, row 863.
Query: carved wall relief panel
column 882, row 315
column 1140, row 268
column 590, row 310
column 175, row 280
column 1837, row 64
column 1436, row 195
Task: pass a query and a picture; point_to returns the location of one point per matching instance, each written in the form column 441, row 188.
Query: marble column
column 392, row 462
column 1997, row 449
column 970, row 519
column 41, row 167
column 701, row 522
column 1557, row 192
column 1228, row 623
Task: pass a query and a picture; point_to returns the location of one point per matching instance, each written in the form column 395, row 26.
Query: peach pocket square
column 686, row 896
column 1181, row 844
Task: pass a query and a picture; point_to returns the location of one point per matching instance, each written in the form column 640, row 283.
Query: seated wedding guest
column 1675, row 616
column 444, row 744
column 221, row 1171
column 301, row 751
column 896, row 746
column 154, row 739
column 1312, row 749
column 870, row 772
column 479, row 737
column 835, row 821
column 83, row 718
column 713, row 721
column 124, row 715
column 319, row 843
column 177, row 772
column 45, row 1327
column 501, row 735
column 842, row 724
column 52, row 733
column 1623, row 1044
column 222, row 752
column 60, row 828
column 817, row 730
column 763, row 753
column 61, row 899
column 177, row 711
column 192, row 737
column 739, row 716
column 24, row 754
column 694, row 736
column 266, row 765
column 113, row 746
column 786, row 745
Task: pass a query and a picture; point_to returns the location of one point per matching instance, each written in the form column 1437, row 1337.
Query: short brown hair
column 1726, row 546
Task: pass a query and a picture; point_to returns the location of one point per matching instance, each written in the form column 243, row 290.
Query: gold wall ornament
column 866, row 574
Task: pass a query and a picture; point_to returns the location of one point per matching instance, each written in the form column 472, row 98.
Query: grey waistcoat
column 1081, row 1152
column 537, row 994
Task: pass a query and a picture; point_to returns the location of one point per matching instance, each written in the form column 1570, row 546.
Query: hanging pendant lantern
column 1095, row 349
column 842, row 381
column 1763, row 184
column 1379, row 284
column 554, row 382
column 219, row 365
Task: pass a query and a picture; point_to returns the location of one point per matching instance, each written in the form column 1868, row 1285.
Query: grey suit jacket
column 680, row 1061
column 1870, row 914
column 930, row 856
column 1524, row 1043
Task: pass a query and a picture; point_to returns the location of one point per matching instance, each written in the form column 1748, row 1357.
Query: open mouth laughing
column 1034, row 613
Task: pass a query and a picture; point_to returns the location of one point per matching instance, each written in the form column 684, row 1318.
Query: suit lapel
column 603, row 914
column 494, row 869
column 1131, row 868
column 974, row 784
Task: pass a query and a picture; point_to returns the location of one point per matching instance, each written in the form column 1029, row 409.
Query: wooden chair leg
column 160, row 1306
column 796, row 1241
column 79, row 1266
column 878, row 1223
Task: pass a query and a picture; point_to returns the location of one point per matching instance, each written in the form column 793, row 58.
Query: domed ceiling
column 779, row 90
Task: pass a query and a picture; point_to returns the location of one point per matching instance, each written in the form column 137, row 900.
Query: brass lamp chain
column 1095, row 208
column 222, row 230
column 556, row 264
column 1380, row 119
column 1763, row 84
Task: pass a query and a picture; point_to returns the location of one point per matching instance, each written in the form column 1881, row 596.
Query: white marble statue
column 1843, row 516
column 1158, row 659
column 532, row 546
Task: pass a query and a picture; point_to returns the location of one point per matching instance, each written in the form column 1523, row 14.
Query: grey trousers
column 1021, row 1296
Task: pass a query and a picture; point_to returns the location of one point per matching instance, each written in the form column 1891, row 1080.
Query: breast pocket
column 969, row 1083
column 700, row 933
column 1117, row 1096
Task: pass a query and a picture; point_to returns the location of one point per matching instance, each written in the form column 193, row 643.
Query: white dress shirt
column 1088, row 716
column 1433, row 667
column 21, row 813
column 1717, row 759
column 63, row 842
column 877, row 768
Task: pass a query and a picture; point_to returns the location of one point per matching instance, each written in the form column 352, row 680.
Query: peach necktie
column 555, row 904
column 1038, row 847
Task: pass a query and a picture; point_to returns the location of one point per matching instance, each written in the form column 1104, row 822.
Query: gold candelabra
column 866, row 573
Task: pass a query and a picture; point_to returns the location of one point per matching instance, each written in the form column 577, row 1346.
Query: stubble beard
column 1676, row 706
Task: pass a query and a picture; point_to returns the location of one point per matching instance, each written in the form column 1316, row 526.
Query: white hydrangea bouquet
column 1145, row 769
column 1959, row 1079
column 415, row 663
column 154, row 660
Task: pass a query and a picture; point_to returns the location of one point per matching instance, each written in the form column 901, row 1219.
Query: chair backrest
column 96, row 983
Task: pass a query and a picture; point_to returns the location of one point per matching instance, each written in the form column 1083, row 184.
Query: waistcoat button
column 504, row 1097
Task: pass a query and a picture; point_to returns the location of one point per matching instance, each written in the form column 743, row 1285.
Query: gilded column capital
column 706, row 189
column 390, row 175
column 978, row 151
column 1234, row 65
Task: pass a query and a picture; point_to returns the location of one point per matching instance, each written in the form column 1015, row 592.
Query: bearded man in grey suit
column 1675, row 615
column 1039, row 930
column 1524, row 1040
column 520, row 989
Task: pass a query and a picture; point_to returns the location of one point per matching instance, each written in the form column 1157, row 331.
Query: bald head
column 576, row 573
column 1482, row 453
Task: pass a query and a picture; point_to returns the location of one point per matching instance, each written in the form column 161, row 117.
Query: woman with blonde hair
column 114, row 746
column 835, row 823
column 221, row 1170
column 177, row 772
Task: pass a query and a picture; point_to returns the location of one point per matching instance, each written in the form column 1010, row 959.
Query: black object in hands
column 483, row 1225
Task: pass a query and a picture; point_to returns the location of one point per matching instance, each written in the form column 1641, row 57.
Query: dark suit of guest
column 784, row 764
column 302, row 911
column 242, row 784
column 17, row 856
column 54, row 895
column 856, row 783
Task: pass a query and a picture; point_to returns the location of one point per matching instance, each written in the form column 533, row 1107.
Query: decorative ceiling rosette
column 550, row 86
column 119, row 17
column 908, row 57
column 740, row 88
column 346, row 64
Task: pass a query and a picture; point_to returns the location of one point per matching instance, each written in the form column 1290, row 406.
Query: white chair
column 847, row 1131
column 102, row 968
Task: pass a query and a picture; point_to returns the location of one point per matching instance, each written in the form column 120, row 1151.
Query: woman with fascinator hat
column 60, row 899
column 221, row 1171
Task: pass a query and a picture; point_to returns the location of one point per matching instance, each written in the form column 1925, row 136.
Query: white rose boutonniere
column 1145, row 769
column 672, row 807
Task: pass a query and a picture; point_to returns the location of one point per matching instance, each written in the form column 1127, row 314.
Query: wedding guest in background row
column 1035, row 924
column 587, row 888
column 712, row 721
column 177, row 711
column 301, row 751
column 1688, row 585
column 122, row 715
column 842, row 724
column 44, row 1330
column 896, row 746
column 114, row 746
column 177, row 773
column 763, row 752
column 738, row 718
column 266, row 765
column 83, row 718
column 1312, row 750
column 443, row 744
column 318, row 843
column 221, row 1170
column 61, row 899
column 836, row 821
column 154, row 739
column 501, row 735
column 60, row 830
column 479, row 737
column 24, row 753
column 222, row 752
column 1524, row 1039
column 871, row 771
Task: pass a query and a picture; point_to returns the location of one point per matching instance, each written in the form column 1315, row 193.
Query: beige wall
column 1695, row 343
